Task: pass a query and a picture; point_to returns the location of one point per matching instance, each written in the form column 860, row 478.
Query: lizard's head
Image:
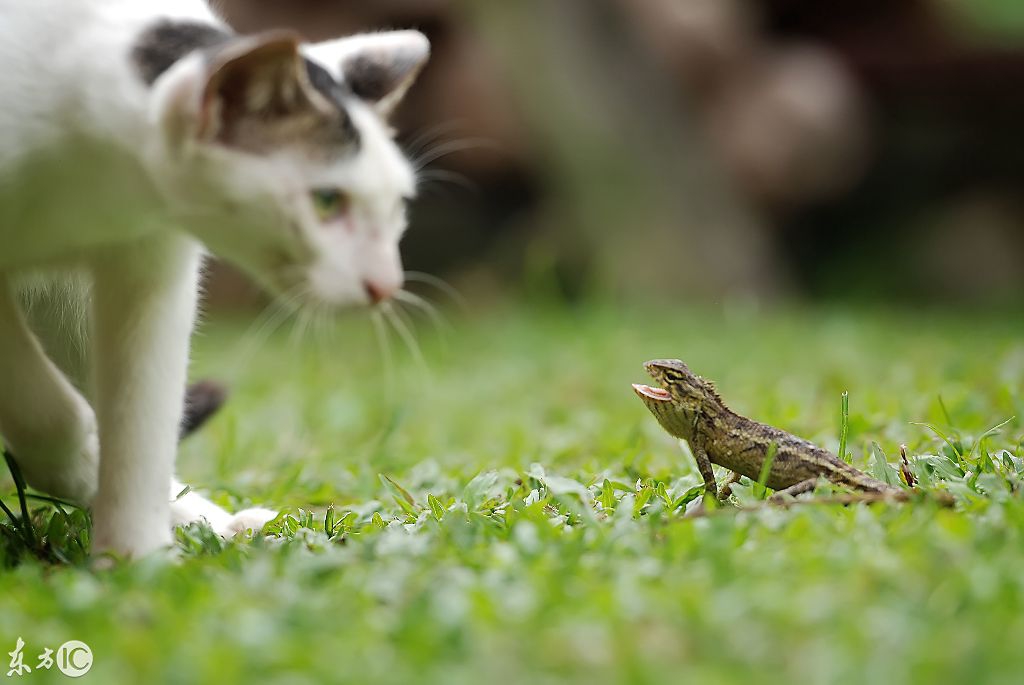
column 678, row 400
column 680, row 386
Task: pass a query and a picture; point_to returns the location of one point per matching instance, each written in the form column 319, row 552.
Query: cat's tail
column 202, row 400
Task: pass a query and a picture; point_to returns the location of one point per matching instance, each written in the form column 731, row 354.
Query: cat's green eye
column 329, row 203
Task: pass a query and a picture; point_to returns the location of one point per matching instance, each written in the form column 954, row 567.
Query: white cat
column 131, row 133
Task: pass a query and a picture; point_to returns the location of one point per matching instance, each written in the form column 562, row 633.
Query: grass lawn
column 533, row 530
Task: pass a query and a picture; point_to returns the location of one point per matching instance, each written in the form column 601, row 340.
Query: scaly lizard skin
column 688, row 407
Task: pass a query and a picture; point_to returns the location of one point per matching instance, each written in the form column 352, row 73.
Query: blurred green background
column 704, row 149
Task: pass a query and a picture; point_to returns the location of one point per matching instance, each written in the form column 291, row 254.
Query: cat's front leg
column 144, row 308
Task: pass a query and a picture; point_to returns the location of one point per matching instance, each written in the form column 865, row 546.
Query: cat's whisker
column 400, row 315
column 443, row 183
column 316, row 328
column 439, row 284
column 406, row 334
column 450, row 148
column 324, row 326
column 293, row 332
column 301, row 329
column 439, row 176
column 260, row 331
column 265, row 324
column 425, row 306
column 415, row 143
column 313, row 328
column 380, row 330
column 332, row 328
column 430, row 136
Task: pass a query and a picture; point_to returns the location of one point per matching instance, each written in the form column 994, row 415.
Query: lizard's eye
column 330, row 204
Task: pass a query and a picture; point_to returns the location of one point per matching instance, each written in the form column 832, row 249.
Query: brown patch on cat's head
column 160, row 46
column 383, row 77
column 259, row 97
column 376, row 68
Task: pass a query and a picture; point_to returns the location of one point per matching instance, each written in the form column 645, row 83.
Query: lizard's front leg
column 144, row 307
column 700, row 455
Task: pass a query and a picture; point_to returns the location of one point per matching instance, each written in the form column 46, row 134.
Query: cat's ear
column 246, row 93
column 377, row 67
column 260, row 79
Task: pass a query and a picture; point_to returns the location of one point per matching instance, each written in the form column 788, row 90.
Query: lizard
column 688, row 407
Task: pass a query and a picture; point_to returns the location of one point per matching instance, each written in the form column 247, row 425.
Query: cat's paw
column 247, row 519
column 65, row 467
column 191, row 507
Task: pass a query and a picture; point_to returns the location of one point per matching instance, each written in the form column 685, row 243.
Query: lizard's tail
column 881, row 491
column 858, row 479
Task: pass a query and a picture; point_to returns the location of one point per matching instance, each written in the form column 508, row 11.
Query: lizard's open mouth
column 651, row 393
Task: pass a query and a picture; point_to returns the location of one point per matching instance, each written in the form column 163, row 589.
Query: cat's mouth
column 652, row 393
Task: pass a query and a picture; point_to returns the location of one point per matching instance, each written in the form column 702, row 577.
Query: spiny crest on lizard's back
column 710, row 390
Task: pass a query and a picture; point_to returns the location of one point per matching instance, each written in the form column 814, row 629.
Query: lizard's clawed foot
column 713, row 498
column 725, row 492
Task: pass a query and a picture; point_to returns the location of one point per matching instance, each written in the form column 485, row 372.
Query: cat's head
column 279, row 158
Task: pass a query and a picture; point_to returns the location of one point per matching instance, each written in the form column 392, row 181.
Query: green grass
column 515, row 516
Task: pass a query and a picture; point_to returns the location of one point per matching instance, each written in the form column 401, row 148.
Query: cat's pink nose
column 378, row 292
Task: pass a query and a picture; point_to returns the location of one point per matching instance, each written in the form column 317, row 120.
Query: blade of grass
column 760, row 490
column 11, row 515
column 945, row 439
column 844, row 426
column 53, row 500
column 945, row 412
column 19, row 483
column 11, row 534
column 388, row 480
column 329, row 520
column 991, row 431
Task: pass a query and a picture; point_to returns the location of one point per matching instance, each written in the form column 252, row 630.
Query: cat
column 135, row 134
